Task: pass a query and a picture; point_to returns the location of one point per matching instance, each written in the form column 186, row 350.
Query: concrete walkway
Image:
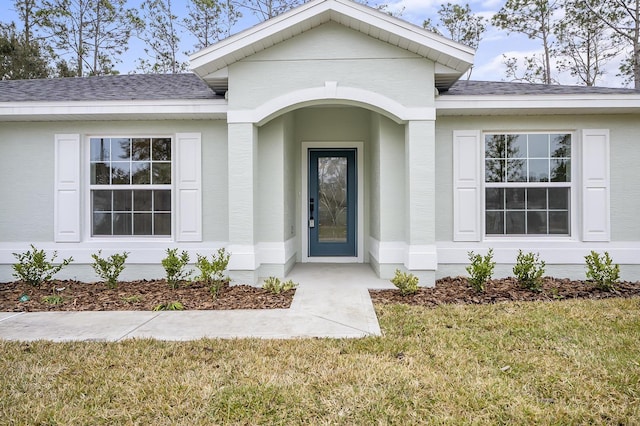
column 331, row 301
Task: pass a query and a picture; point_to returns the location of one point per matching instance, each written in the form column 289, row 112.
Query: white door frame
column 304, row 207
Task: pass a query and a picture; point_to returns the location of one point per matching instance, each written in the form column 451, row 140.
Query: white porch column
column 242, row 152
column 420, row 195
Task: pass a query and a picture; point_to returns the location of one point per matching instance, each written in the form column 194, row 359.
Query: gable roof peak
column 452, row 59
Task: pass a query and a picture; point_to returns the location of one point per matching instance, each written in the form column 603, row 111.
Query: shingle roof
column 498, row 88
column 107, row 88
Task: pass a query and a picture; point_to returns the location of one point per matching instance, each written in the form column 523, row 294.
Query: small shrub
column 109, row 269
column 275, row 286
column 529, row 270
column 602, row 271
column 174, row 266
column 169, row 306
column 34, row 268
column 406, row 283
column 212, row 272
column 480, row 269
column 53, row 299
column 132, row 299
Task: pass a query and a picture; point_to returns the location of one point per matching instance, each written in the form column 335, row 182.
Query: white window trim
column 85, row 179
column 574, row 186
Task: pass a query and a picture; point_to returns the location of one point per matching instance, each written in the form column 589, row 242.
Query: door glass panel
column 332, row 199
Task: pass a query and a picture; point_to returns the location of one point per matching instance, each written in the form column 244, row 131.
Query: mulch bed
column 136, row 296
column 458, row 291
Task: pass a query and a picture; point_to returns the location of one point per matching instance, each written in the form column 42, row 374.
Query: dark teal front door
column 332, row 205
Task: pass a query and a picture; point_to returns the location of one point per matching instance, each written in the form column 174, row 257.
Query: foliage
column 210, row 20
column 174, row 266
column 162, row 38
column 532, row 18
column 602, row 271
column 275, row 286
column 19, row 57
column 34, row 268
column 169, row 306
column 267, row 9
column 92, row 34
column 406, row 283
column 480, row 269
column 460, row 24
column 53, row 299
column 109, row 269
column 529, row 270
column 212, row 272
column 132, row 299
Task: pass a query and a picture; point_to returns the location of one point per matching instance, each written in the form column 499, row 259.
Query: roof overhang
column 114, row 110
column 537, row 104
column 452, row 59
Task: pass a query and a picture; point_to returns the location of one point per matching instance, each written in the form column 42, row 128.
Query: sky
column 489, row 61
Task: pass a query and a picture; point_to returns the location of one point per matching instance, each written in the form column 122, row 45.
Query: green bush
column 174, row 266
column 480, row 269
column 212, row 272
column 529, row 270
column 275, row 286
column 34, row 268
column 109, row 269
column 602, row 271
column 169, row 306
column 406, row 283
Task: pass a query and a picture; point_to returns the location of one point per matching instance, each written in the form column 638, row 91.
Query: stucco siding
column 624, row 153
column 270, row 202
column 331, row 53
column 27, row 164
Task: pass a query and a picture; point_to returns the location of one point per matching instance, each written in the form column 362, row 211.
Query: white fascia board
column 223, row 53
column 468, row 105
column 175, row 108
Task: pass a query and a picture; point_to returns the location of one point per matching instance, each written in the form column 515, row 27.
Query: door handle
column 312, row 222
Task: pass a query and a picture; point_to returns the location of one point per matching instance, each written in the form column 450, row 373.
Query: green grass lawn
column 572, row 362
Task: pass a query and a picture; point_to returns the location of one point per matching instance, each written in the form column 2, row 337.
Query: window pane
column 141, row 149
column 102, row 201
column 120, row 173
column 162, row 149
column 102, row 224
column 516, row 170
column 142, row 224
column 538, row 170
column 122, row 223
column 100, row 174
column 560, row 171
column 515, row 198
column 142, row 201
column 559, row 222
column 495, row 222
column 561, row 146
column 162, row 224
column 122, row 201
column 515, row 222
column 538, row 146
column 516, row 146
column 494, row 198
column 494, row 170
column 536, row 222
column 99, row 149
column 141, row 173
column 494, row 146
column 537, row 199
column 559, row 198
column 161, row 173
column 162, row 201
column 120, row 149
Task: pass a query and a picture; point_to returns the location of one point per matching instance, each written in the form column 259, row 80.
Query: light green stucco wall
column 27, row 165
column 331, row 52
column 624, row 152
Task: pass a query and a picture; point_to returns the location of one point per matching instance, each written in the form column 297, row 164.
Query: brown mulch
column 136, row 296
column 458, row 291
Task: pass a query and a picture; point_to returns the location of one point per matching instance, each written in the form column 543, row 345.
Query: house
column 331, row 133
